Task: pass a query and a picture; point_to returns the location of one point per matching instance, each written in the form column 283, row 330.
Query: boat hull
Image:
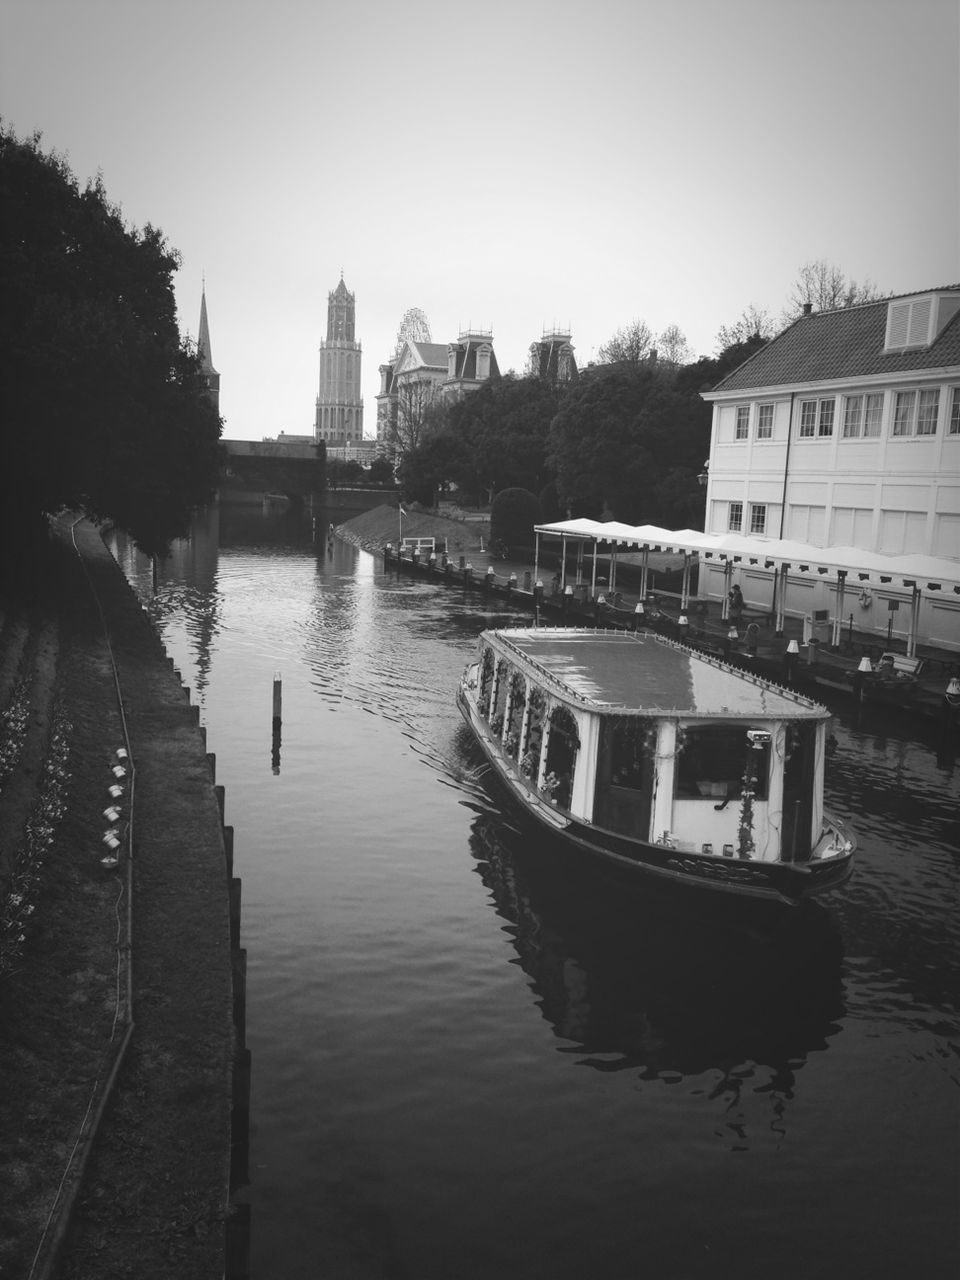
column 640, row 860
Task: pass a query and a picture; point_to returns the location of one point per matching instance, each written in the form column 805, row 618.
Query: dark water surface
column 469, row 1063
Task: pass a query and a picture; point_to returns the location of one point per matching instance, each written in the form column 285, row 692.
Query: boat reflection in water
column 642, row 983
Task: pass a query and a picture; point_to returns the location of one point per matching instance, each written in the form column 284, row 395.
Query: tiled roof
column 433, row 354
column 848, row 343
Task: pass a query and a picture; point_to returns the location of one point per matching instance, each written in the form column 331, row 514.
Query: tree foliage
column 825, row 288
column 630, row 344
column 424, row 471
column 672, row 346
column 106, row 407
column 627, row 444
column 513, row 513
column 503, row 428
column 754, row 322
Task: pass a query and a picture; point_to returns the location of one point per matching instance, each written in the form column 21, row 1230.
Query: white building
column 844, row 431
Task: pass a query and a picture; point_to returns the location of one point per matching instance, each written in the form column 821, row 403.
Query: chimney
column 807, row 308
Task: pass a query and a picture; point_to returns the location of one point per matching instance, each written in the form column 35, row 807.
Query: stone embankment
column 121, row 1044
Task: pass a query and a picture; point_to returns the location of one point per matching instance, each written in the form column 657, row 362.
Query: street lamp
column 704, row 475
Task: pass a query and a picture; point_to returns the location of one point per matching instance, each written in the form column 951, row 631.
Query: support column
column 782, row 599
column 838, row 615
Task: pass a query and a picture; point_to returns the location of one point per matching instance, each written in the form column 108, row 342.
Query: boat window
column 516, row 705
column 633, row 741
column 713, row 762
column 502, row 688
column 531, row 747
column 562, row 747
column 486, row 681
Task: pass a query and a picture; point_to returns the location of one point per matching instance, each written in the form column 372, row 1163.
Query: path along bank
column 121, row 1049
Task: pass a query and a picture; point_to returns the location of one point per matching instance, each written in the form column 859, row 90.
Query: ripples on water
column 472, row 1061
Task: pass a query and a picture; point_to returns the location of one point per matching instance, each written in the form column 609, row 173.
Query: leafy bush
column 512, row 516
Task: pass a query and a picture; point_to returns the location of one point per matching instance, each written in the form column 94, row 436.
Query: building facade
column 552, row 359
column 339, row 409
column 422, row 374
column 844, row 432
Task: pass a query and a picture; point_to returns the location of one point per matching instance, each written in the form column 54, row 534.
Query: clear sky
column 513, row 165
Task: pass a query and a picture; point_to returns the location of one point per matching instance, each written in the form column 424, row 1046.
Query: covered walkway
column 850, row 572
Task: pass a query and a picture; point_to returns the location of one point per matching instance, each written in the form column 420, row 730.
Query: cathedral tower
column 203, row 351
column 340, row 405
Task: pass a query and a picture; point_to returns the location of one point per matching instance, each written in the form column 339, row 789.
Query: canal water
column 471, row 1063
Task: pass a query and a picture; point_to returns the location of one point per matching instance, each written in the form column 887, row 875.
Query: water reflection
column 642, row 983
column 484, row 1064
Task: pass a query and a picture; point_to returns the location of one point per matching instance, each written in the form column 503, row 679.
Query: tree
column 673, row 349
column 826, row 288
column 503, row 427
column 106, row 407
column 381, row 471
column 628, row 443
column 513, row 513
column 753, row 323
column 424, row 471
column 344, row 472
column 419, row 413
column 631, row 344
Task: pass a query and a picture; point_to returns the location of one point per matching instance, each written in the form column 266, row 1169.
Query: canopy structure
column 915, row 573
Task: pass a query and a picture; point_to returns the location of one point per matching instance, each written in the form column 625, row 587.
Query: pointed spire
column 203, row 341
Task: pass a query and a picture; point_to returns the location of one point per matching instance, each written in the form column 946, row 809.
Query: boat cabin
column 649, row 740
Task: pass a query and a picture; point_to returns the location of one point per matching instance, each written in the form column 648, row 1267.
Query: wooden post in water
column 277, row 720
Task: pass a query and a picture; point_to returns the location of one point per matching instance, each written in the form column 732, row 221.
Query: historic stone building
column 339, row 419
column 422, row 373
column 552, row 359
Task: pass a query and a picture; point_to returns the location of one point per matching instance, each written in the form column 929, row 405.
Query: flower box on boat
column 664, row 761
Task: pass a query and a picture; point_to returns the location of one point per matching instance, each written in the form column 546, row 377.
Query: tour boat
column 660, row 760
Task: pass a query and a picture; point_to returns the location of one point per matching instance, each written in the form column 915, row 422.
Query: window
column 955, row 412
column 861, row 416
column 765, row 422
column 758, row 517
column 928, row 407
column 916, row 414
column 816, row 418
column 717, row 762
column 743, row 422
column 735, row 521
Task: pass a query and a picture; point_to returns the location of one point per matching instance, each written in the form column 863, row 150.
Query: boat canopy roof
column 934, row 573
column 646, row 674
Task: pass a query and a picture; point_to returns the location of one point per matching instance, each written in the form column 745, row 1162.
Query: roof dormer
column 918, row 321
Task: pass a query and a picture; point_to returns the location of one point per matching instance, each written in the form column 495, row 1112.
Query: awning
column 912, row 572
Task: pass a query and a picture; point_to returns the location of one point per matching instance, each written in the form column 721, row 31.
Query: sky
column 517, row 165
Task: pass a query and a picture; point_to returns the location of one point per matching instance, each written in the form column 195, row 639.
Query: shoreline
column 149, row 1193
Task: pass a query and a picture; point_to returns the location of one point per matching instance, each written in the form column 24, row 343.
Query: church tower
column 339, row 418
column 210, row 374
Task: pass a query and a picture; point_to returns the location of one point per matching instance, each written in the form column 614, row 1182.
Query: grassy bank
column 154, row 1198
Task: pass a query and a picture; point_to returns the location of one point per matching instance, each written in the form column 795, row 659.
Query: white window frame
column 765, row 413
column 911, row 413
column 862, row 415
column 741, row 429
column 735, row 517
column 758, row 517
column 816, row 418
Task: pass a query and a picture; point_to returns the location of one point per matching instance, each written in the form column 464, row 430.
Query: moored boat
column 658, row 759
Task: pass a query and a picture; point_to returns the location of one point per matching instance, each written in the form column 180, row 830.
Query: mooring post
column 277, row 700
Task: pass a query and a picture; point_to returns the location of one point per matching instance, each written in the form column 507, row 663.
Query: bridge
column 251, row 469
column 296, row 470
